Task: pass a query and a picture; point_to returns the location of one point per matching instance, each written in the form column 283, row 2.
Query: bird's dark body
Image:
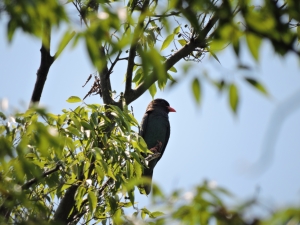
column 155, row 129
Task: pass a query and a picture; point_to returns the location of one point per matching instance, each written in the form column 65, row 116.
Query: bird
column 155, row 130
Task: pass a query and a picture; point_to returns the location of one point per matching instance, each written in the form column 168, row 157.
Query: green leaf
column 135, row 214
column 298, row 32
column 171, row 78
column 173, row 69
column 196, row 87
column 86, row 125
column 233, row 97
column 152, row 89
column 236, row 47
column 110, row 173
column 138, row 76
column 253, row 42
column 137, row 168
column 2, row 116
column 74, row 131
column 92, row 201
column 257, row 85
column 182, row 42
column 176, row 30
column 73, row 99
column 167, row 41
column 64, row 42
column 156, row 214
column 144, row 212
column 92, row 48
column 214, row 55
column 2, row 129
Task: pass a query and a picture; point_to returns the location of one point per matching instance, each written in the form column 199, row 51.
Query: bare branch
column 46, row 62
column 132, row 52
column 113, row 64
column 105, row 80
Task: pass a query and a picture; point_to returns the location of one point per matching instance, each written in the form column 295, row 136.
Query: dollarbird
column 155, row 130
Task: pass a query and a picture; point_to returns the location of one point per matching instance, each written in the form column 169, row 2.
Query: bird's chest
column 157, row 129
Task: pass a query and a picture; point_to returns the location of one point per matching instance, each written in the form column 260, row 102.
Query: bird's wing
column 144, row 124
column 165, row 142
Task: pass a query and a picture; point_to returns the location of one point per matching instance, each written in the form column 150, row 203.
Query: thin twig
column 113, row 64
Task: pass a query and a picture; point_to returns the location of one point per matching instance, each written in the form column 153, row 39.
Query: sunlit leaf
column 167, row 41
column 74, row 131
column 73, row 99
column 152, row 89
column 65, row 40
column 92, row 201
column 173, row 69
column 156, row 214
column 253, row 42
column 176, row 30
column 196, row 88
column 233, row 97
column 182, row 42
column 144, row 212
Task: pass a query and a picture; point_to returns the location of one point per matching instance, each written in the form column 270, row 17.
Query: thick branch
column 46, row 62
column 105, row 80
column 65, row 206
column 132, row 52
column 5, row 210
column 183, row 52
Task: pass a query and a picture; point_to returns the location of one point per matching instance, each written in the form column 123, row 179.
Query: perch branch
column 132, row 52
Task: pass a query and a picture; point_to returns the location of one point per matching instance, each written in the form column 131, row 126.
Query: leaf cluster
column 92, row 148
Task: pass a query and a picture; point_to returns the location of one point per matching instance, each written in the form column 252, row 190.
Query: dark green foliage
column 92, row 151
column 91, row 147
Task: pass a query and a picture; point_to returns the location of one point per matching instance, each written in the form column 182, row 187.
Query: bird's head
column 161, row 104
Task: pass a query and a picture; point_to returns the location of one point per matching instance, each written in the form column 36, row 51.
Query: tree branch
column 132, row 52
column 105, row 80
column 200, row 41
column 34, row 180
column 46, row 62
column 113, row 64
column 65, row 206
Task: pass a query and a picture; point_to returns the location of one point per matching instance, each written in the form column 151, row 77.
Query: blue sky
column 207, row 142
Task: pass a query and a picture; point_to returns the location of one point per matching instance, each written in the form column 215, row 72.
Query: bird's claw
column 153, row 156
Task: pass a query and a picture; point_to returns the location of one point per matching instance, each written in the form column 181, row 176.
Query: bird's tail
column 147, row 186
column 148, row 172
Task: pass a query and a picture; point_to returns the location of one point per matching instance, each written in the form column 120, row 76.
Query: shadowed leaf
column 257, row 85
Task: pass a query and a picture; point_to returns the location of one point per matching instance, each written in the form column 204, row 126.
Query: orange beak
column 171, row 109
